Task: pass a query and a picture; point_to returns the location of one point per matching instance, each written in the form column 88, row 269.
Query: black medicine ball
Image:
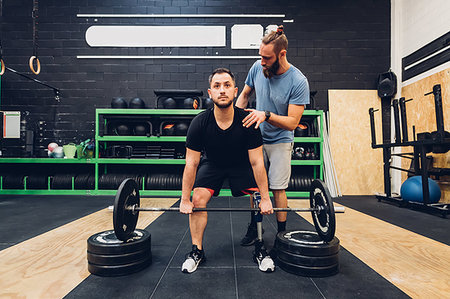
column 123, row 130
column 137, row 103
column 140, row 130
column 208, row 103
column 168, row 129
column 190, row 103
column 181, row 129
column 301, row 130
column 119, row 103
column 169, row 103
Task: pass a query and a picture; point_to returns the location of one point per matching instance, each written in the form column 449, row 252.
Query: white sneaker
column 264, row 261
column 193, row 259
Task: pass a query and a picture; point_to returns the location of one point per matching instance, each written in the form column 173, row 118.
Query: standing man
column 282, row 92
column 231, row 151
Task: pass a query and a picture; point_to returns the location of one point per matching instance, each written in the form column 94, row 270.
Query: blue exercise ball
column 411, row 190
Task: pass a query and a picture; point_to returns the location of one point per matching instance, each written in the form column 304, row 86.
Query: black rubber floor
column 24, row 217
column 229, row 271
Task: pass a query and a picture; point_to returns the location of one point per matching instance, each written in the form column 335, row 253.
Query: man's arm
column 259, row 171
column 190, row 170
column 289, row 122
column 243, row 98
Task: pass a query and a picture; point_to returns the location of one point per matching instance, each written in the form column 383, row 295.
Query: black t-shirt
column 225, row 148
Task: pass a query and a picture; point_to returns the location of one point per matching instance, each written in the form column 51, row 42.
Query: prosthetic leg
column 260, row 256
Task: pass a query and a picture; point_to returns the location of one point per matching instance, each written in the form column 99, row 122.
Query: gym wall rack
column 100, row 166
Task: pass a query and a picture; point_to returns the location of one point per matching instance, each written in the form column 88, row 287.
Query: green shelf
column 140, row 161
column 143, row 138
column 46, row 161
column 48, row 192
column 306, row 162
column 177, row 112
column 97, row 161
column 307, row 139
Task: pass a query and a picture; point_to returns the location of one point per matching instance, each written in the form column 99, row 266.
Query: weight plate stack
column 62, row 181
column 304, row 253
column 13, row 181
column 37, row 181
column 108, row 256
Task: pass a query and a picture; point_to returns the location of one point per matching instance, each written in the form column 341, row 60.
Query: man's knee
column 200, row 197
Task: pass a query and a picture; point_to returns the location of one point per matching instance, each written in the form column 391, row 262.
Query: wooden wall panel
column 359, row 167
column 421, row 113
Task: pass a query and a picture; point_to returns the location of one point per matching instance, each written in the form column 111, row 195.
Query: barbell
column 127, row 208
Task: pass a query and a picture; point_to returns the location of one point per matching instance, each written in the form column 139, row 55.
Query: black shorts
column 212, row 177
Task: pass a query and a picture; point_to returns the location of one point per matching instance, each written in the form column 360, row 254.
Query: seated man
column 230, row 151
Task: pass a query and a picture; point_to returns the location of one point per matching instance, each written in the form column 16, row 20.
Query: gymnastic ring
column 2, row 70
column 38, row 63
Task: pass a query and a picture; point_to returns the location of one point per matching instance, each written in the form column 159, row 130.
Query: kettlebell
column 298, row 153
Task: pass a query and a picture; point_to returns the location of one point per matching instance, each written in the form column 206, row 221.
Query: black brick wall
column 337, row 44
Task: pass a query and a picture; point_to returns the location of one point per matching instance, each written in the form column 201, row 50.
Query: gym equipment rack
column 98, row 165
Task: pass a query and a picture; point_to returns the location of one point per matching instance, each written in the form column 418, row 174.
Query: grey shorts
column 277, row 159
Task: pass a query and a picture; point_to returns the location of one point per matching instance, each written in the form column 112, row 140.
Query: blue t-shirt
column 275, row 95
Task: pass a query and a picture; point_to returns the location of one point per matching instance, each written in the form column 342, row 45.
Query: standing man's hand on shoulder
column 254, row 117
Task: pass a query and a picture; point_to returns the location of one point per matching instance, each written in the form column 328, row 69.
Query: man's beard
column 272, row 70
column 222, row 105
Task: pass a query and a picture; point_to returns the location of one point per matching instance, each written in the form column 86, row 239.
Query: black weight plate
column 308, row 261
column 169, row 185
column 125, row 220
column 107, row 243
column 308, row 271
column 118, row 259
column 159, row 179
column 153, row 182
column 298, row 184
column 119, row 270
column 305, row 243
column 324, row 220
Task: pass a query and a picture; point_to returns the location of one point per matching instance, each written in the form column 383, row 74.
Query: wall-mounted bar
column 163, row 57
column 180, row 16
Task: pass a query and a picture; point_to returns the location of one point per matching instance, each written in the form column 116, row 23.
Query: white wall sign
column 246, row 36
column 156, row 36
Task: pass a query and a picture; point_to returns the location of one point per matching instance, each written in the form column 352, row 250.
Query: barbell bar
column 127, row 200
column 134, row 208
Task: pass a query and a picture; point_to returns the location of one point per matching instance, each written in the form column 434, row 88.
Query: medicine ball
column 119, row 103
column 181, row 129
column 123, row 130
column 208, row 103
column 411, row 190
column 141, row 130
column 190, row 103
column 169, row 103
column 168, row 129
column 51, row 146
column 136, row 103
column 58, row 152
